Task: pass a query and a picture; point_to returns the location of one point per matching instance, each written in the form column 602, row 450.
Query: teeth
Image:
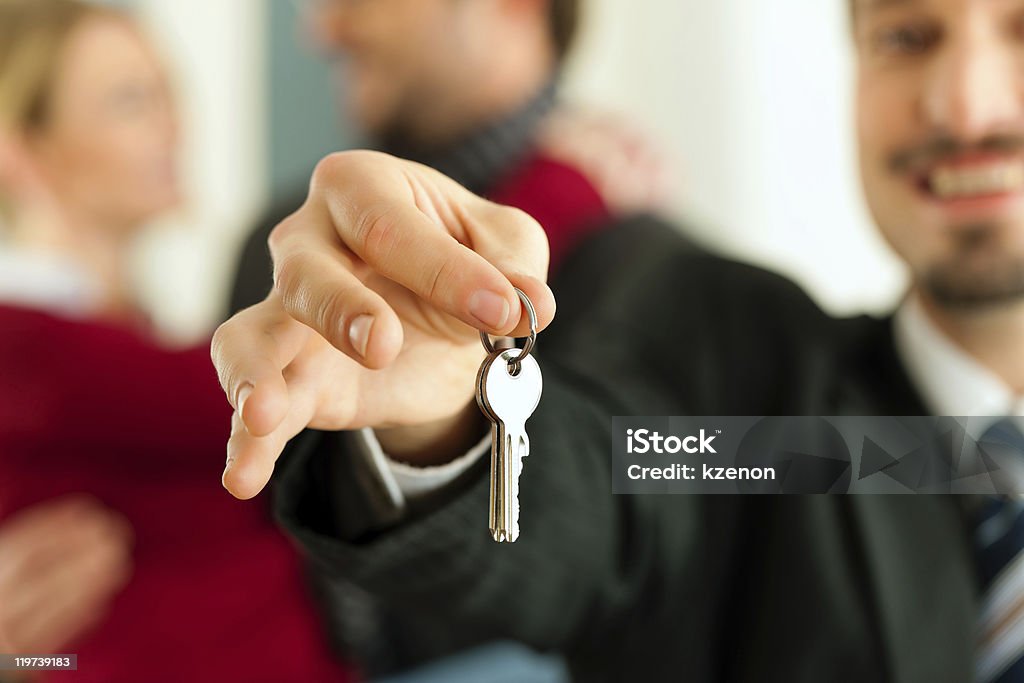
column 952, row 183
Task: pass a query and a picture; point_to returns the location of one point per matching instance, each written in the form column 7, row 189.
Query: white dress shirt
column 48, row 282
column 950, row 381
column 404, row 482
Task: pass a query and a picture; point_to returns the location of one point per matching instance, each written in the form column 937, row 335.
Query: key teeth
column 504, row 536
column 514, row 531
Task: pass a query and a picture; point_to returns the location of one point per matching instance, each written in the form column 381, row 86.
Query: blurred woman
column 116, row 541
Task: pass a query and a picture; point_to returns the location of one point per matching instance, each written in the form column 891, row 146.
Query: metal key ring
column 531, row 341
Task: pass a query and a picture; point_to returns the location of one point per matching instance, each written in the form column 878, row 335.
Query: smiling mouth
column 948, row 182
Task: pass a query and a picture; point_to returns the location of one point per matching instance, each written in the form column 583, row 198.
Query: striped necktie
column 999, row 542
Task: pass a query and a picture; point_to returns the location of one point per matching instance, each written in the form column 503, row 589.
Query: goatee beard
column 981, row 274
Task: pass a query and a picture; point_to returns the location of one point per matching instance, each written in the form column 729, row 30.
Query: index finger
column 457, row 251
column 250, row 352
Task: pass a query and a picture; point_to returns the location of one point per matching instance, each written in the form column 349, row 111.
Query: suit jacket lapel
column 916, row 547
column 922, row 583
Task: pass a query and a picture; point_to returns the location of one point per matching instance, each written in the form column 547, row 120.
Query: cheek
column 404, row 59
column 118, row 160
column 78, row 167
column 874, row 124
column 127, row 171
column 381, row 55
column 885, row 124
column 421, row 40
column 388, row 33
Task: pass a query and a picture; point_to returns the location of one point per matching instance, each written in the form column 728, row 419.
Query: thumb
column 540, row 298
column 520, row 252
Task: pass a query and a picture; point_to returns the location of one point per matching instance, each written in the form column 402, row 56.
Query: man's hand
column 630, row 172
column 382, row 281
column 61, row 562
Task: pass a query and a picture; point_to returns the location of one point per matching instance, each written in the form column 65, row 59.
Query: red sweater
column 559, row 197
column 217, row 593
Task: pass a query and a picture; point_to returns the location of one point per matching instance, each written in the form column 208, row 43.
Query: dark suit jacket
column 670, row 588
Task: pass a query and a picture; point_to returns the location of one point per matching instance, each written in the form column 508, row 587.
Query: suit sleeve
column 585, row 558
column 566, row 570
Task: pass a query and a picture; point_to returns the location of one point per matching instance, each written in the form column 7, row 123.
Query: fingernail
column 489, row 308
column 359, row 333
column 243, row 396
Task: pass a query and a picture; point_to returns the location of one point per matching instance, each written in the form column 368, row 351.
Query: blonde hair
column 33, row 34
column 32, row 37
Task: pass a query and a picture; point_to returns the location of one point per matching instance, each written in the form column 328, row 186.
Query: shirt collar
column 481, row 158
column 48, row 282
column 950, row 381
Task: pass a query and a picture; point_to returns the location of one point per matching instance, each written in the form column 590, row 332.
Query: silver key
column 509, row 401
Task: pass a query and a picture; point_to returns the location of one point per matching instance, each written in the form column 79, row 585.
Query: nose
column 975, row 87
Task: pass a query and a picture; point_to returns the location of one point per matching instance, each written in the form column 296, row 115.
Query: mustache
column 945, row 147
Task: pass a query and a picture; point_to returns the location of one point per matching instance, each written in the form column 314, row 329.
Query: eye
column 906, row 39
column 129, row 98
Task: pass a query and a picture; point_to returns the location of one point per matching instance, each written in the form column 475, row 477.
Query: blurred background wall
column 752, row 101
column 218, row 53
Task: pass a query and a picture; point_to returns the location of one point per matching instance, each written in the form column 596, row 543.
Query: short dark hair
column 565, row 23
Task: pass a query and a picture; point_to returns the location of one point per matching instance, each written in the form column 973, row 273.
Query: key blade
column 521, row 449
column 502, row 509
column 511, row 486
column 497, row 491
column 505, row 471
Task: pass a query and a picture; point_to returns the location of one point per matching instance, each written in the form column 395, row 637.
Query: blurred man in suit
column 472, row 89
column 787, row 588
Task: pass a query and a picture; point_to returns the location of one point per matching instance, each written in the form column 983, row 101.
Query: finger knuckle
column 276, row 328
column 527, row 234
column 223, row 359
column 523, row 224
column 280, row 234
column 219, row 346
column 376, row 232
column 219, row 340
column 301, row 299
column 288, row 281
column 340, row 165
column 329, row 168
column 441, row 278
column 331, row 311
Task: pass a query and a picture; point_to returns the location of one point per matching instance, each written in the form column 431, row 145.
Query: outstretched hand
column 382, row 280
